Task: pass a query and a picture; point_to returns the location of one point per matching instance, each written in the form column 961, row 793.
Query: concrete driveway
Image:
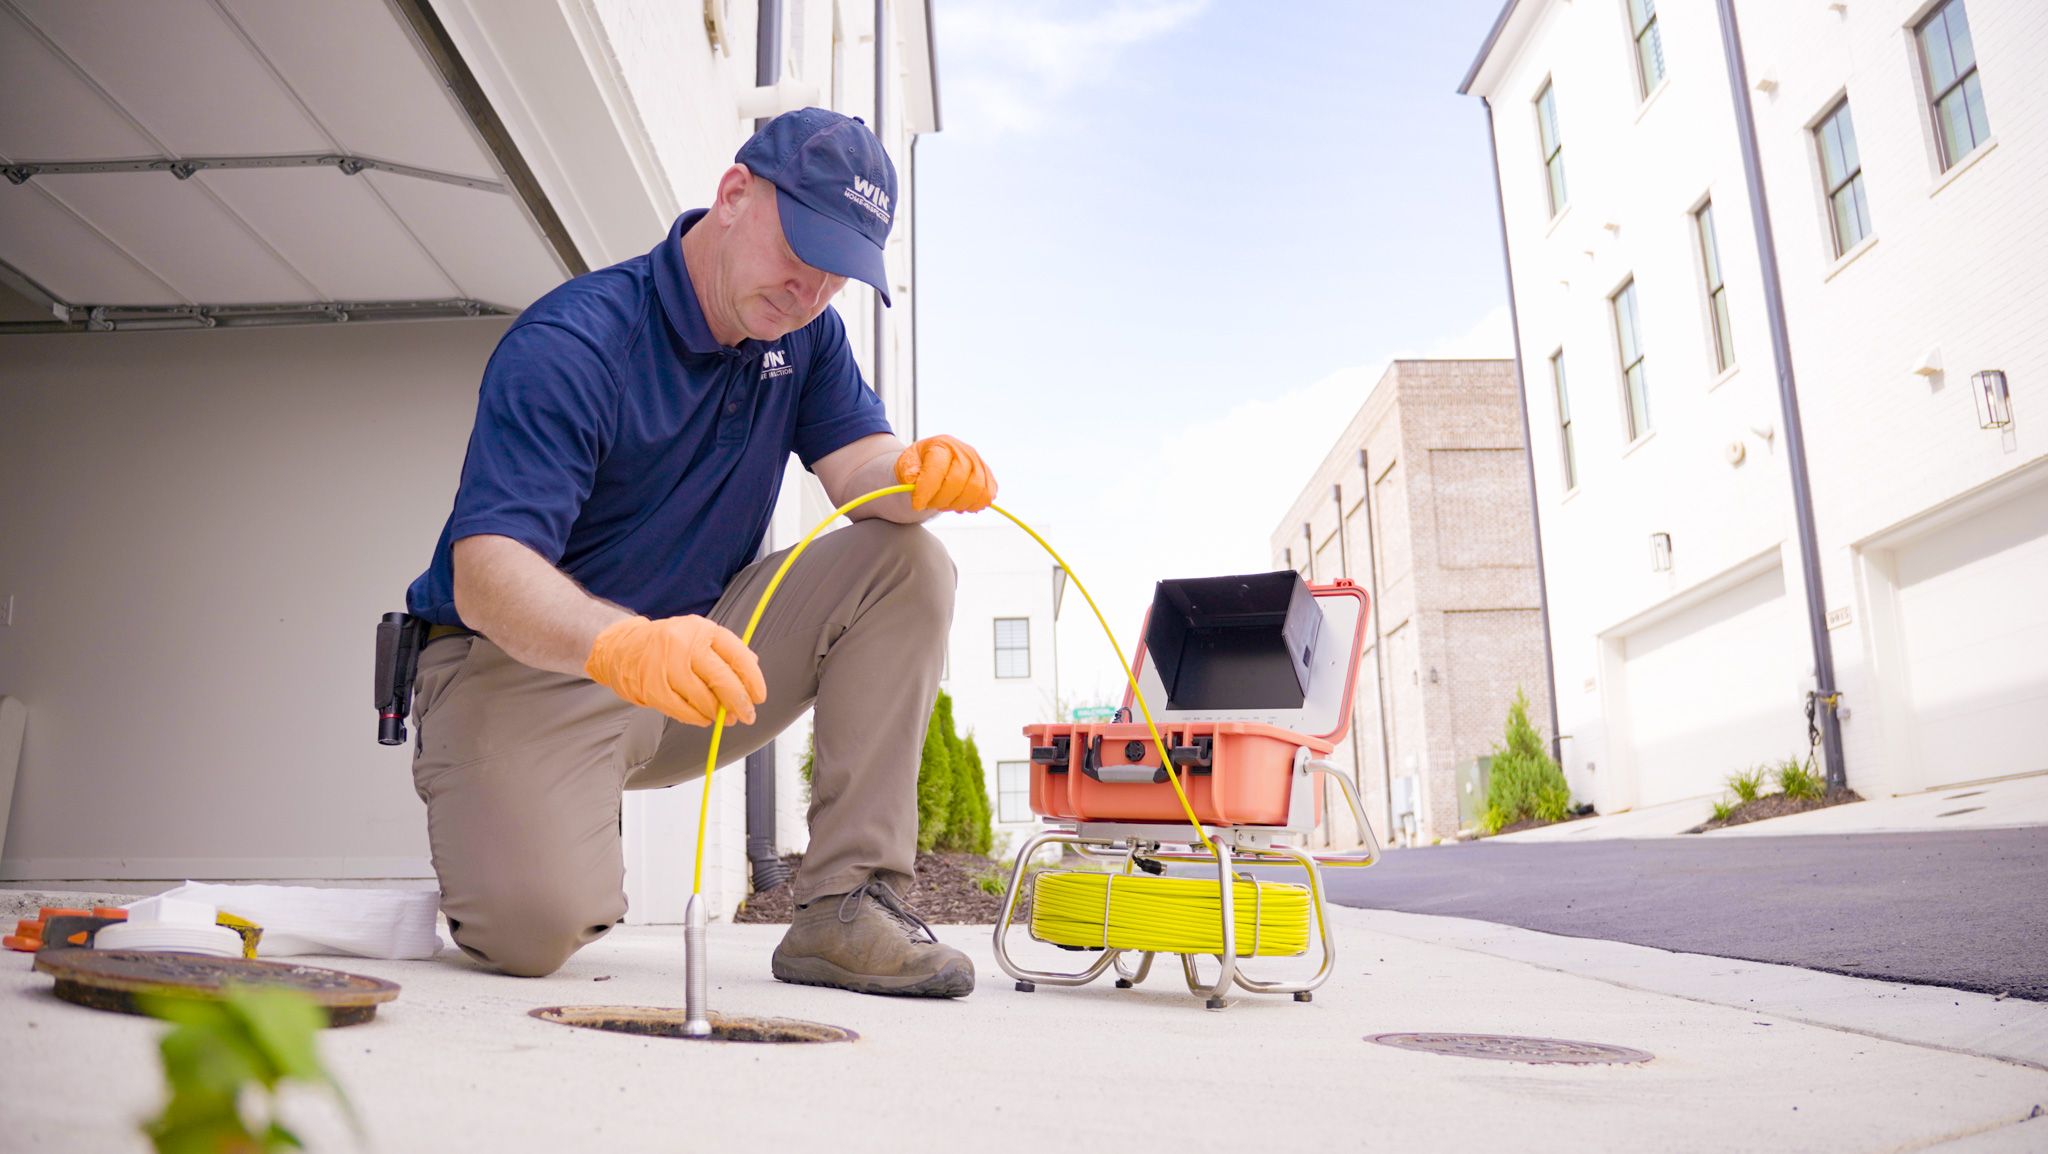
column 456, row 1063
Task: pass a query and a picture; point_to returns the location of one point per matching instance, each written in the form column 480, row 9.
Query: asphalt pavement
column 1966, row 909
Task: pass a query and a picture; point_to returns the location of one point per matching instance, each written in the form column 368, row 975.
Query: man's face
column 769, row 291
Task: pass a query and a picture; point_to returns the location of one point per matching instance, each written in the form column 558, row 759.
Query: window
column 1635, row 387
column 1842, row 171
column 1564, row 422
column 1952, row 88
column 1642, row 19
column 1717, row 291
column 1013, row 791
column 1013, row 647
column 1553, row 146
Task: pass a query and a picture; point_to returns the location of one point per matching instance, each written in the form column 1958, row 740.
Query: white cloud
column 1204, row 497
column 1007, row 64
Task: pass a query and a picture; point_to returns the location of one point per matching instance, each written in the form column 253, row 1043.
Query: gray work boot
column 869, row 942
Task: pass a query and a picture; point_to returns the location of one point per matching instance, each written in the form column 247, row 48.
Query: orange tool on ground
column 28, row 932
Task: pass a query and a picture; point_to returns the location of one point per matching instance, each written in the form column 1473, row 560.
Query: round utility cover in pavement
column 667, row 1022
column 1510, row 1048
column 110, row 979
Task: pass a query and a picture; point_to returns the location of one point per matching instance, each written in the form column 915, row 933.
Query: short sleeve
column 837, row 407
column 545, row 418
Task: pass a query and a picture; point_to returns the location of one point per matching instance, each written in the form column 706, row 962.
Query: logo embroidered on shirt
column 775, row 363
column 871, row 197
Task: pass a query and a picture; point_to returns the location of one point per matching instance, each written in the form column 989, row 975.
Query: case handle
column 1091, row 764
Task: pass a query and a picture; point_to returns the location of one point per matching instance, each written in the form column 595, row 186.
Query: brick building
column 1902, row 146
column 1442, row 540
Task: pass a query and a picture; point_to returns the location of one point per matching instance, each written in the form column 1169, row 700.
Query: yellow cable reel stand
column 1113, row 912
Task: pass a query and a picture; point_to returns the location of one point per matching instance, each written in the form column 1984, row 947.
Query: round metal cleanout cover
column 1510, row 1048
column 667, row 1022
column 110, row 979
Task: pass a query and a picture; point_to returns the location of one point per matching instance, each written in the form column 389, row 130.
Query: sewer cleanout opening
column 667, row 1022
column 1512, row 1048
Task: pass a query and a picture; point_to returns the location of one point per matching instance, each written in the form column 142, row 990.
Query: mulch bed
column 943, row 892
column 1778, row 805
column 1533, row 822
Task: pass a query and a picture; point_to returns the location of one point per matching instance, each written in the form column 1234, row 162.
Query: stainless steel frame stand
column 1124, row 841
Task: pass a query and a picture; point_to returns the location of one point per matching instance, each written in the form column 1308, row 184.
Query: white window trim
column 1964, row 165
column 1850, row 257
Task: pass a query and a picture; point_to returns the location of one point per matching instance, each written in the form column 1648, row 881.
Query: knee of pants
column 928, row 567
column 531, row 935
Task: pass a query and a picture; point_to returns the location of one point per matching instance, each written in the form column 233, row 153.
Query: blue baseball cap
column 835, row 188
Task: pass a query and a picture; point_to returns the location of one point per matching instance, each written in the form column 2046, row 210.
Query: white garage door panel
column 1973, row 616
column 1715, row 690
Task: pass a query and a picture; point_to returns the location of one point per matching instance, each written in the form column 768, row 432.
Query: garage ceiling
column 193, row 162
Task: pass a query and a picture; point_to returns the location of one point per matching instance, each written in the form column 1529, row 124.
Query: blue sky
column 1167, row 247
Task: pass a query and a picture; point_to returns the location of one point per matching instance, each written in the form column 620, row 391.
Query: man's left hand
column 948, row 474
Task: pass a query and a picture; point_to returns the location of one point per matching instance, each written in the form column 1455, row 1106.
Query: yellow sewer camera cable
column 1155, row 914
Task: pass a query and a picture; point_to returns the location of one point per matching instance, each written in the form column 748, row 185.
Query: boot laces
column 887, row 900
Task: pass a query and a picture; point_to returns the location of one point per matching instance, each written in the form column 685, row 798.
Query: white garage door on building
column 1972, row 603
column 1713, row 689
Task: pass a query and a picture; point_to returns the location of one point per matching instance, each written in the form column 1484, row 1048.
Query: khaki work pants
column 522, row 769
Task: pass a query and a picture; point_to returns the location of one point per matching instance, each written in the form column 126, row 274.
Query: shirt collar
column 679, row 296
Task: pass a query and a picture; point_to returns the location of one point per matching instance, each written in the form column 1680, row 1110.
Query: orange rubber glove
column 948, row 475
column 686, row 667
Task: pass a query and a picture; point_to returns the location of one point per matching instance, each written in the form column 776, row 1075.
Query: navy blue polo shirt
column 619, row 440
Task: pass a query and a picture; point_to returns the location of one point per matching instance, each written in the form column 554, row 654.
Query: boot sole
column 951, row 982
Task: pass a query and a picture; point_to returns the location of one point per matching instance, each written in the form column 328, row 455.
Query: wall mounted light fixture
column 1660, row 552
column 1994, row 402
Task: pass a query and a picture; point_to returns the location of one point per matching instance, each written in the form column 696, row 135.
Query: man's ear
column 733, row 188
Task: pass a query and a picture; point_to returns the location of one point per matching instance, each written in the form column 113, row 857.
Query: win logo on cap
column 834, row 189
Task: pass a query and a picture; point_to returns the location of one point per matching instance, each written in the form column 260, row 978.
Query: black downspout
column 881, row 101
column 1379, row 643
column 766, row 867
column 915, row 332
column 1507, row 261
column 1788, row 401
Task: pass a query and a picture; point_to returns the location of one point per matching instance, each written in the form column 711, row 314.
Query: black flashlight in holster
column 400, row 637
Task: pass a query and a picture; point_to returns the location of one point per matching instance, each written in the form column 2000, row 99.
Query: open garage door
column 1972, row 604
column 1713, row 689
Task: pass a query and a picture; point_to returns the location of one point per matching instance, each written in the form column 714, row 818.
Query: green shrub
column 952, row 792
column 1723, row 810
column 1747, row 784
column 1523, row 781
column 978, row 835
column 934, row 784
column 1797, row 781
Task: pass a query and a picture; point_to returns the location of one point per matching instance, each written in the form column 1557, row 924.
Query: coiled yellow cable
column 760, row 607
column 1167, row 915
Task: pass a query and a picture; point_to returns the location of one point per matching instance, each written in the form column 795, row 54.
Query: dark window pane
column 1639, row 401
column 1980, row 124
column 1862, row 208
column 1850, row 160
column 1723, row 331
column 1832, row 167
column 1960, row 46
column 1952, row 117
column 1941, row 68
column 1710, row 250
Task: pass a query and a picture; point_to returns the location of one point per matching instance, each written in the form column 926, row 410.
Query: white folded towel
column 317, row 920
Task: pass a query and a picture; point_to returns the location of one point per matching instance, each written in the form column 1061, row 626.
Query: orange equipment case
column 1236, row 758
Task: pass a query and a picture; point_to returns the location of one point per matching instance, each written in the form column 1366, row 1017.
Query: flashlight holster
column 400, row 636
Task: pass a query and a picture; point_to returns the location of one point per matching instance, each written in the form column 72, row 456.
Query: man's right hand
column 686, row 667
